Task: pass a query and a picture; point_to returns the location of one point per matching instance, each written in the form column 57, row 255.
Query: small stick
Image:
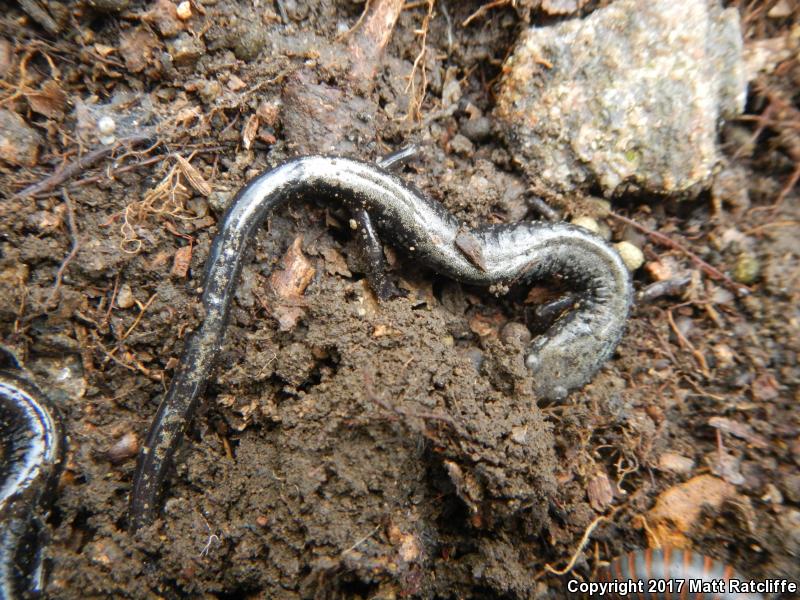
column 374, row 29
column 484, row 9
column 84, row 162
column 664, row 240
column 578, row 550
column 139, row 317
column 76, row 244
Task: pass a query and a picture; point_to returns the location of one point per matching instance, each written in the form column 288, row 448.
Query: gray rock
column 631, row 94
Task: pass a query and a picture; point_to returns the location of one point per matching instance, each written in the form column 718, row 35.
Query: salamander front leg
column 372, row 253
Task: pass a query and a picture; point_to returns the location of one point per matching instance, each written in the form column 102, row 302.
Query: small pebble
column 184, row 10
column 106, row 125
column 587, row 223
column 476, row 130
column 747, row 268
column 19, row 142
column 125, row 298
column 126, row 447
column 630, row 254
column 513, row 331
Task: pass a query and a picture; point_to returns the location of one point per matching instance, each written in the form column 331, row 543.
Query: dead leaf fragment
column 740, row 430
column 249, row 132
column 335, row 263
column 49, row 101
column 288, row 282
column 137, row 47
column 164, row 15
column 193, row 176
column 599, row 492
column 678, row 508
column 183, row 258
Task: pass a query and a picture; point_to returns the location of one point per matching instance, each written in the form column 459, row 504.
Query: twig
column 139, row 317
column 578, row 550
column 362, row 540
column 484, row 9
column 374, row 29
column 418, row 98
column 685, row 343
column 76, row 244
column 664, row 240
column 84, row 162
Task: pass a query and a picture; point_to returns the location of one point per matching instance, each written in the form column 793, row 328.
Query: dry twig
column 80, row 164
column 664, row 240
column 76, row 244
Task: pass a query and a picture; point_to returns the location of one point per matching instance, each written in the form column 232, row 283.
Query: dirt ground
column 355, row 448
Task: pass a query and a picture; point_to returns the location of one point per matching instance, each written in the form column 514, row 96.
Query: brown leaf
column 335, row 263
column 289, row 281
column 183, row 258
column 49, row 101
column 678, row 508
column 137, row 47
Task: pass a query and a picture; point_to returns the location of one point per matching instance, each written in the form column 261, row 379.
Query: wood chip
column 599, row 492
column 6, row 57
column 180, row 265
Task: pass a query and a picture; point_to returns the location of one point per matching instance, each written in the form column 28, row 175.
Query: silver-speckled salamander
column 566, row 357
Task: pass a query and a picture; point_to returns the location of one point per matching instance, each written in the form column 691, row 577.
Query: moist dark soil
column 350, row 447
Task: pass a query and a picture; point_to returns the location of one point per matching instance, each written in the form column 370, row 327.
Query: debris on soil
column 355, row 447
column 631, row 94
column 678, row 509
column 288, row 282
column 19, row 142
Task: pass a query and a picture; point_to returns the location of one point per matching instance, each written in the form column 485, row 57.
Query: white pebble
column 184, row 10
column 630, row 254
column 106, row 125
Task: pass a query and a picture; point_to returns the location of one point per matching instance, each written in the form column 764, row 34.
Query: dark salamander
column 32, row 446
column 565, row 357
